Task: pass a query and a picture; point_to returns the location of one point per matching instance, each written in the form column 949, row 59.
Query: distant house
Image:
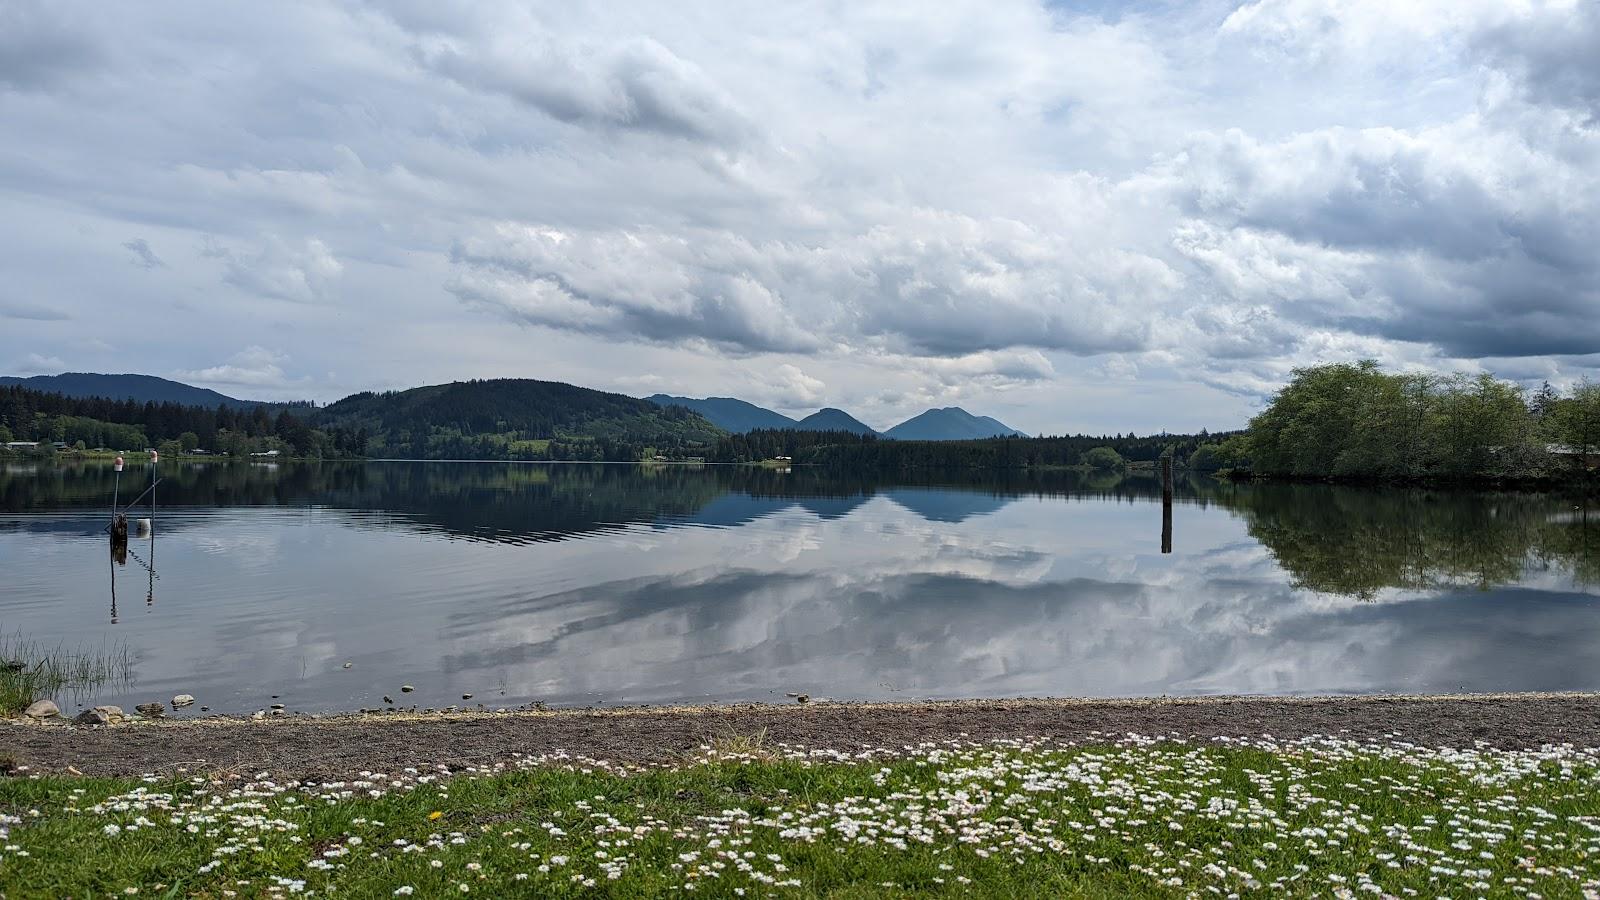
column 268, row 453
column 21, row 445
column 1576, row 454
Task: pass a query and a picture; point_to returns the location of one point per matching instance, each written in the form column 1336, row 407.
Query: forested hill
column 138, row 388
column 516, row 418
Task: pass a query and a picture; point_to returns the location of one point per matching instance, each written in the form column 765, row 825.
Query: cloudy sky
column 1093, row 216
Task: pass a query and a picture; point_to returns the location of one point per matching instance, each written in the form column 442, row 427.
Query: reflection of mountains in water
column 519, row 503
column 948, row 505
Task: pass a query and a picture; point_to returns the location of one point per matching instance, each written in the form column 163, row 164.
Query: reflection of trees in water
column 1357, row 541
column 1345, row 540
column 534, row 502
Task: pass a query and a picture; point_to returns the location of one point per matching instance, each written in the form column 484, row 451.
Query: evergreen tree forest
column 98, row 422
column 845, row 450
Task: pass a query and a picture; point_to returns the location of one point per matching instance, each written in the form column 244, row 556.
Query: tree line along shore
column 1346, row 421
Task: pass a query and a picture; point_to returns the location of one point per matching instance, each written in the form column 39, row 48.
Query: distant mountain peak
column 950, row 423
column 739, row 416
column 831, row 418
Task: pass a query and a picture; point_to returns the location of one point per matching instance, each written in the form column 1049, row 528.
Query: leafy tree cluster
column 29, row 415
column 1357, row 421
column 519, row 419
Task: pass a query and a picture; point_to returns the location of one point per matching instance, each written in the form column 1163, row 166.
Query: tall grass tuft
column 30, row 671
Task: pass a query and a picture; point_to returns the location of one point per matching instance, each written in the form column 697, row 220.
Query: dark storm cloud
column 1416, row 239
column 1553, row 53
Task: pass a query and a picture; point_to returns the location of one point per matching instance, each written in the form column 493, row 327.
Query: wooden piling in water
column 1166, row 504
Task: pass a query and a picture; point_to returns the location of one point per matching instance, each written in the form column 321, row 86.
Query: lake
column 575, row 584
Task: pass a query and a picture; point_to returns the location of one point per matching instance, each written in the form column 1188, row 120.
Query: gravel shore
column 337, row 746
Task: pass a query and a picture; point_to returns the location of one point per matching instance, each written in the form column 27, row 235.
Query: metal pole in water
column 150, row 596
column 1166, row 504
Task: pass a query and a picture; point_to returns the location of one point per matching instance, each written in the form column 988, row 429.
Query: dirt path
column 343, row 745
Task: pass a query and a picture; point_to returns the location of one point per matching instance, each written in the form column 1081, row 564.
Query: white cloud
column 253, row 366
column 306, row 273
column 787, row 387
column 35, row 364
column 984, row 202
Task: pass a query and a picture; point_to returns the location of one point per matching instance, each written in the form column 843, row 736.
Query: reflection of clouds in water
column 932, row 592
column 735, row 634
column 799, row 535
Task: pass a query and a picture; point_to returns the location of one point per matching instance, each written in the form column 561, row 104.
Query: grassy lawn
column 1135, row 817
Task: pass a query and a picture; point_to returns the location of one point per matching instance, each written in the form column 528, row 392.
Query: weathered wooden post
column 1166, row 503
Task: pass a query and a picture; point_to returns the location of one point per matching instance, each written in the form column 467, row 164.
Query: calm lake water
column 583, row 584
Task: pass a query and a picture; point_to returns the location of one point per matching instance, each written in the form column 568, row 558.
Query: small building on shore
column 1576, row 455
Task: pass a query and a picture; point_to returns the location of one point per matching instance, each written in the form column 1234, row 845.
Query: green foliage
column 1356, row 421
column 1575, row 421
column 1207, row 458
column 1103, row 458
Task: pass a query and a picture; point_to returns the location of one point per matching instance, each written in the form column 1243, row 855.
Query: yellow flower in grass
column 435, row 815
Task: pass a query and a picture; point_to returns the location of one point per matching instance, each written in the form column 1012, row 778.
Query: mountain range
column 139, row 388
column 727, row 413
column 441, row 404
column 951, row 423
